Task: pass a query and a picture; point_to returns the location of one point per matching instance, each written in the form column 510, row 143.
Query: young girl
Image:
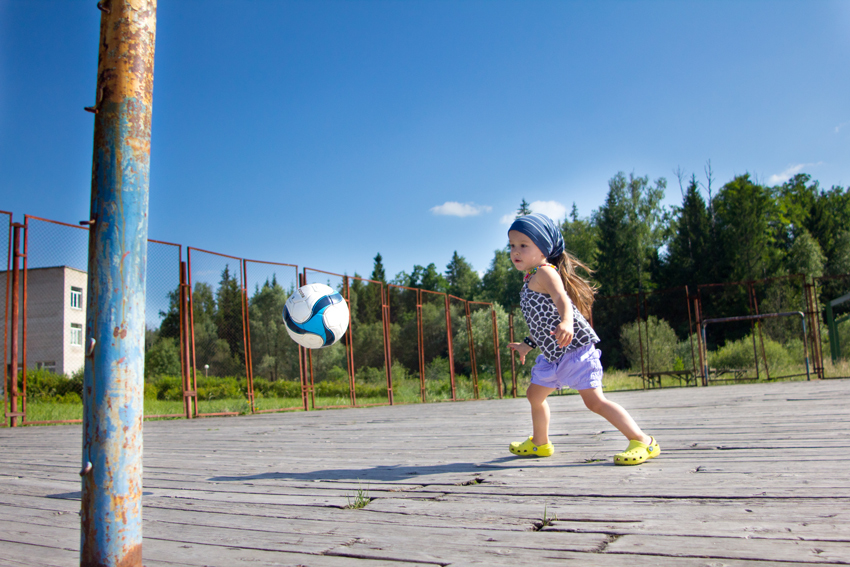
column 570, row 359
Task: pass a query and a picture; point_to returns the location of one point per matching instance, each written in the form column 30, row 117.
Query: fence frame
column 496, row 358
column 812, row 331
column 83, row 225
column 448, row 338
column 194, row 369
column 180, row 278
column 419, row 336
column 250, row 356
column 757, row 317
column 348, row 340
column 7, row 324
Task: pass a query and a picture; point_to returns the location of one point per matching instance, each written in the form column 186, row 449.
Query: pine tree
column 581, row 238
column 462, row 280
column 523, row 209
column 378, row 273
column 690, row 254
column 433, row 280
column 630, row 224
column 229, row 312
column 747, row 225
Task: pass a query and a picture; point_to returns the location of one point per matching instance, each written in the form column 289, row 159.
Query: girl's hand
column 522, row 349
column 564, row 333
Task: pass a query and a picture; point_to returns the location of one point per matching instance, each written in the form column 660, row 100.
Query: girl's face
column 524, row 253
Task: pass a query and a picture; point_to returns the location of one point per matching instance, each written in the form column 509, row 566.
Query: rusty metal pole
column 113, row 388
column 13, row 414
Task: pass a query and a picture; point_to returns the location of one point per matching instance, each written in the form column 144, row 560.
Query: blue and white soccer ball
column 316, row 316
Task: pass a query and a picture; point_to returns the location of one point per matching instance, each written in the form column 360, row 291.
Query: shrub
column 740, row 354
column 43, row 385
column 277, row 389
column 659, row 342
column 215, row 388
column 162, row 358
column 370, row 375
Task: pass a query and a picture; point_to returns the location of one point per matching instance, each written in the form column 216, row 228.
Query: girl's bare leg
column 537, row 395
column 596, row 402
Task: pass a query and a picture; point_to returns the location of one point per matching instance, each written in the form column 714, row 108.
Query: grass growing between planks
column 360, row 499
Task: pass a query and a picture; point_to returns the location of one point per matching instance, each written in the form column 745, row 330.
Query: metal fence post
column 13, row 414
column 113, row 407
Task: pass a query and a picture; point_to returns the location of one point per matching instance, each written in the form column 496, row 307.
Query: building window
column 76, row 334
column 76, row 298
column 50, row 366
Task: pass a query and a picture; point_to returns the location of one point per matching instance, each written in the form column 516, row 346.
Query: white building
column 56, row 318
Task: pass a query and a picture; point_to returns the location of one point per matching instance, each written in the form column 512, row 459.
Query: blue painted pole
column 113, row 389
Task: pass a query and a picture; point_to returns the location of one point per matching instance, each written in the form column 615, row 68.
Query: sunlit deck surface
column 753, row 474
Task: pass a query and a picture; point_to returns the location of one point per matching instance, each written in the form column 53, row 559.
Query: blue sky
column 320, row 133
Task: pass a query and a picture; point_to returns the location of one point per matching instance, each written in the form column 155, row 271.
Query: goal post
column 706, row 322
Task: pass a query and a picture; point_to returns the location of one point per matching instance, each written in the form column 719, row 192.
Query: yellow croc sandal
column 638, row 452
column 528, row 449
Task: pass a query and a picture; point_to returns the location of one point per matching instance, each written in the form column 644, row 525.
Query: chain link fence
column 217, row 323
column 276, row 373
column 53, row 311
column 6, row 282
column 406, row 354
column 437, row 348
column 165, row 385
column 330, row 373
column 215, row 342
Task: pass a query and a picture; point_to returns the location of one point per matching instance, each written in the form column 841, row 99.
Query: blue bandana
column 543, row 232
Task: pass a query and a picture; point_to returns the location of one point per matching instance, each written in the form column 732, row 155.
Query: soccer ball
column 316, row 316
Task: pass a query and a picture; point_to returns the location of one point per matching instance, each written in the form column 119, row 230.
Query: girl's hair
column 579, row 290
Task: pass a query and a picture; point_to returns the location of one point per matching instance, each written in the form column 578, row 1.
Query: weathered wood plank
column 749, row 474
column 15, row 554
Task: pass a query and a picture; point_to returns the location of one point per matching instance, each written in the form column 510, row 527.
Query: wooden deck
column 751, row 474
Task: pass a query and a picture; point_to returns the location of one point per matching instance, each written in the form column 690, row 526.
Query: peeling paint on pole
column 113, row 389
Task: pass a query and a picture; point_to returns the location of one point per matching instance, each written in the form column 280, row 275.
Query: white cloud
column 552, row 209
column 455, row 209
column 841, row 126
column 778, row 178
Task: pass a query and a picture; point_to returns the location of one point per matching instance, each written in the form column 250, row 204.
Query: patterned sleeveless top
column 542, row 317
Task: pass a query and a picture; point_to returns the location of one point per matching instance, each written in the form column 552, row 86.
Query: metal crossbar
column 706, row 322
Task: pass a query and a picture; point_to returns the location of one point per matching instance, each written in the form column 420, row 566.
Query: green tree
column 433, row 280
column 839, row 262
column 502, row 282
column 274, row 354
column 748, row 224
column 829, row 218
column 690, row 251
column 366, row 296
column 631, row 225
column 805, row 256
column 170, row 326
column 581, row 238
column 162, row 358
column 228, row 316
column 378, row 272
column 462, row 280
column 796, row 201
column 523, row 209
